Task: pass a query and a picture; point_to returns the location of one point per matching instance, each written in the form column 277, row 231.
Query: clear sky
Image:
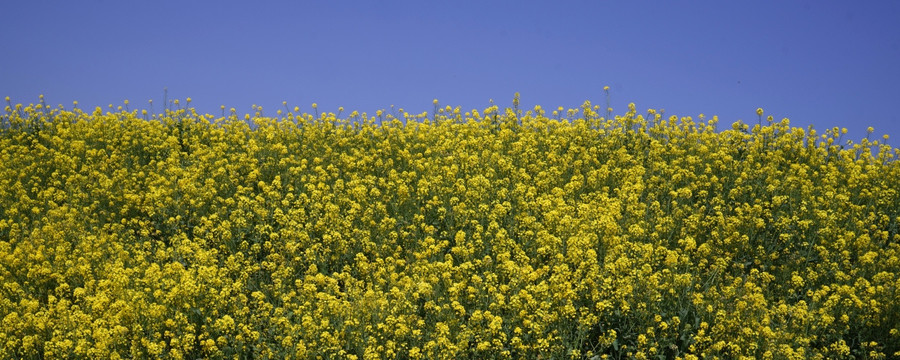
column 827, row 63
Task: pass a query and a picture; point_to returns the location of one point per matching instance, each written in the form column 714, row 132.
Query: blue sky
column 827, row 63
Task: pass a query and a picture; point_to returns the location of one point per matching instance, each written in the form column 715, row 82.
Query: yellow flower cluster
column 499, row 233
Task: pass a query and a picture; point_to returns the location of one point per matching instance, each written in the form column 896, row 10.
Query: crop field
column 501, row 233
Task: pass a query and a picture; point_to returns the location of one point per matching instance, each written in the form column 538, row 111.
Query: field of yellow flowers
column 493, row 234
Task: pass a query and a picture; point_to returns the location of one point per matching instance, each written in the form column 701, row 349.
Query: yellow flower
column 488, row 234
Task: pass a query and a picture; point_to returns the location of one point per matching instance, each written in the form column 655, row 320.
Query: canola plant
column 493, row 234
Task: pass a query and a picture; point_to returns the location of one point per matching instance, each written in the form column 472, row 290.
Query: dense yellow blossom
column 491, row 233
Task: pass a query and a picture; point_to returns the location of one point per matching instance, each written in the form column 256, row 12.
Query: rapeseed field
column 493, row 234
